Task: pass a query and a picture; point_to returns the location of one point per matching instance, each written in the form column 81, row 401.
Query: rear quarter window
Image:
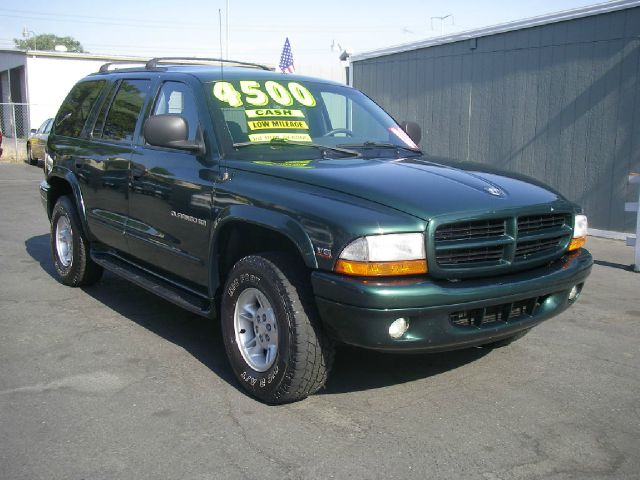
column 122, row 118
column 76, row 108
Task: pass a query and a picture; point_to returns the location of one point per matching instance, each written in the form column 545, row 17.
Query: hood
column 420, row 186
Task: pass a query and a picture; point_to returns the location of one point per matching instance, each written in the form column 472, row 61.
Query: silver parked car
column 37, row 141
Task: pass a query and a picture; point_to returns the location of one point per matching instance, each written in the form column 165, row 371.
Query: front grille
column 508, row 312
column 467, row 230
column 535, row 223
column 473, row 244
column 532, row 247
column 470, row 255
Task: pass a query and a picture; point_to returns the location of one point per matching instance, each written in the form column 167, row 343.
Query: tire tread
column 313, row 356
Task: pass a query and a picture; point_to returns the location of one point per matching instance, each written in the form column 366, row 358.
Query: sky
column 257, row 29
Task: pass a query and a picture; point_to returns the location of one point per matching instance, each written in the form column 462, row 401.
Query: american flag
column 286, row 59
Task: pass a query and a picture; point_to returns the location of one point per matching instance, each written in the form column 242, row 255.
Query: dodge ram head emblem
column 495, row 191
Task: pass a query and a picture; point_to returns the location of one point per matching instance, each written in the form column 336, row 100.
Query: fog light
column 398, row 328
column 48, row 164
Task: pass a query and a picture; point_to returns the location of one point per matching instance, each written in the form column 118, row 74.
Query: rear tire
column 70, row 248
column 269, row 294
column 506, row 341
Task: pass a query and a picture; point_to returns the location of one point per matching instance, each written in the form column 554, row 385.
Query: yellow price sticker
column 267, row 137
column 287, row 164
column 278, row 124
column 274, row 112
column 255, row 94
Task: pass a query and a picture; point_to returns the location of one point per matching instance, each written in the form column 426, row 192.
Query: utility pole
column 442, row 19
column 26, row 33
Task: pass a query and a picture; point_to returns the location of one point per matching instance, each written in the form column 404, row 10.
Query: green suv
column 301, row 215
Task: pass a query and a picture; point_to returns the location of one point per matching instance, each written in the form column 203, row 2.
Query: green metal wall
column 559, row 102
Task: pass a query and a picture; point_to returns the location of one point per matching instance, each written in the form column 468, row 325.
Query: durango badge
column 189, row 218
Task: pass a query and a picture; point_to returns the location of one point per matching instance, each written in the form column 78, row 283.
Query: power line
column 132, row 24
column 93, row 20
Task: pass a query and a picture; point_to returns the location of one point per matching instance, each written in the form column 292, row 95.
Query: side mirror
column 33, row 130
column 171, row 131
column 413, row 130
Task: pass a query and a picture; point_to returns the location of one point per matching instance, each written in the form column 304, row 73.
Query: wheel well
column 239, row 239
column 59, row 187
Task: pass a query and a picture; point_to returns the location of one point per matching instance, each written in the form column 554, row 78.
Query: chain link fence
column 14, row 124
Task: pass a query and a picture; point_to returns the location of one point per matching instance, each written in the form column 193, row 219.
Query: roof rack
column 105, row 67
column 154, row 62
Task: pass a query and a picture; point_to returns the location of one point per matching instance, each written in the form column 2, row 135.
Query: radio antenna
column 220, row 32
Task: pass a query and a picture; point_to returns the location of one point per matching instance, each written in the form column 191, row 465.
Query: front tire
column 275, row 344
column 70, row 248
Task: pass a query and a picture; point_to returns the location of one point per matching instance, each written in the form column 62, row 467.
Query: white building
column 41, row 80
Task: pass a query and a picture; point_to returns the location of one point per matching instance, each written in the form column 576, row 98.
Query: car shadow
column 620, row 266
column 39, row 248
column 357, row 369
column 197, row 335
column 354, row 369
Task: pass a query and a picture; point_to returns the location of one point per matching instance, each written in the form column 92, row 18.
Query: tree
column 48, row 42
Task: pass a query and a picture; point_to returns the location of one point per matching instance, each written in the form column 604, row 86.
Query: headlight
column 580, row 225
column 48, row 164
column 384, row 255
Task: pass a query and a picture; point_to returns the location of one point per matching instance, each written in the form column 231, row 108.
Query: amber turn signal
column 577, row 243
column 381, row 269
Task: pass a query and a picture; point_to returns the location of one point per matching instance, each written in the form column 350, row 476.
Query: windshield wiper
column 282, row 142
column 380, row 145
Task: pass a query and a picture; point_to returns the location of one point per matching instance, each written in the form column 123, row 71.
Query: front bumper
column 359, row 312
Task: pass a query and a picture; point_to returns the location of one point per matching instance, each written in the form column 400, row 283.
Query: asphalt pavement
column 111, row 382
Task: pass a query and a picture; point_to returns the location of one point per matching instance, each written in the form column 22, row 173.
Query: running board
column 180, row 295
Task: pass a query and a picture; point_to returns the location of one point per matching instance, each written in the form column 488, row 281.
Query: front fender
column 262, row 217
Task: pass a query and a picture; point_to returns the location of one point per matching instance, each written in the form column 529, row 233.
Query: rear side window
column 121, row 120
column 76, row 108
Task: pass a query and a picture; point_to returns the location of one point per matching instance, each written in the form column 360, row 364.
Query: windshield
column 269, row 114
